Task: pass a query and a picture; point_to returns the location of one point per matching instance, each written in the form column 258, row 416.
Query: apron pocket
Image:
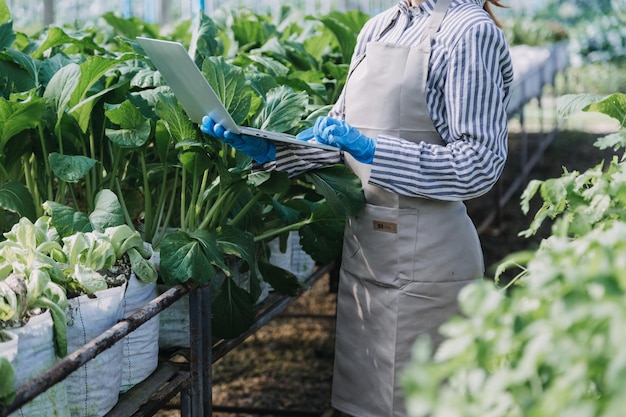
column 379, row 245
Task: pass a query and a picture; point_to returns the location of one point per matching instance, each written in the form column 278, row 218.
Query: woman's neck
column 416, row 2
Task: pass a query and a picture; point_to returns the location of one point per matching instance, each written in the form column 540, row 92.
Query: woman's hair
column 487, row 8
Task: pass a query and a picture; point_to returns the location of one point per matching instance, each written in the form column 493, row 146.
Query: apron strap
column 434, row 22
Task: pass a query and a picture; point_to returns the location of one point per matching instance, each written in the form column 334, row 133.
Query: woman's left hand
column 339, row 133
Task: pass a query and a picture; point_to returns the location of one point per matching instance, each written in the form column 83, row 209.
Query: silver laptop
column 197, row 96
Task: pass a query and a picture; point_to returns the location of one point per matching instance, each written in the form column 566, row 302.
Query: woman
column 422, row 121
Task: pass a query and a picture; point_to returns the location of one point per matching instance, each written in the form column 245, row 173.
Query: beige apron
column 404, row 259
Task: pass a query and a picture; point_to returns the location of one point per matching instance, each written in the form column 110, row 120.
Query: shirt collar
column 429, row 5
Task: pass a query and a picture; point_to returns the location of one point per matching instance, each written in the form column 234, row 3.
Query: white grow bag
column 93, row 389
column 35, row 355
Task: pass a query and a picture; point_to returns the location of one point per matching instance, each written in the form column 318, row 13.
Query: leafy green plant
column 99, row 249
column 582, row 201
column 550, row 345
column 30, row 278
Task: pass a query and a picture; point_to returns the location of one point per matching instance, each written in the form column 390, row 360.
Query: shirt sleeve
column 475, row 96
column 297, row 160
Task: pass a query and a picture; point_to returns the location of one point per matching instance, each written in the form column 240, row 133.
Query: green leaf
column 233, row 241
column 5, row 13
column 123, row 238
column 28, row 63
column 345, row 27
column 341, row 188
column 570, row 104
column 232, row 310
column 61, row 87
column 135, row 128
column 7, row 381
column 15, row 197
column 59, row 317
column 67, row 220
column 142, row 268
column 613, row 106
column 283, row 281
column 261, row 83
column 273, row 67
column 107, row 211
column 529, row 192
column 251, row 29
column 270, row 182
column 282, row 111
column 614, row 140
column 206, row 42
column 89, row 279
column 230, row 86
column 286, row 214
column 70, row 168
column 318, row 45
column 131, row 27
column 190, row 256
column 17, row 117
column 322, row 238
column 7, row 35
column 177, row 123
column 57, row 37
column 91, row 71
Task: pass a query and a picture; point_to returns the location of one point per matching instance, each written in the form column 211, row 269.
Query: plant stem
column 215, row 209
column 183, row 192
column 46, row 163
column 120, row 197
column 129, row 220
column 114, row 164
column 191, row 211
column 170, row 210
column 205, row 179
column 276, row 232
column 147, row 197
column 4, row 172
column 225, row 210
column 31, row 183
column 246, row 208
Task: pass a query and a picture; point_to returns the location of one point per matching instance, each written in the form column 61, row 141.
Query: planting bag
column 8, row 348
column 294, row 259
column 8, row 353
column 35, row 355
column 93, row 389
column 174, row 323
column 140, row 352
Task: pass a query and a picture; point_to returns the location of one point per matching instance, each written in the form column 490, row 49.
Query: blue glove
column 261, row 150
column 307, row 134
column 340, row 134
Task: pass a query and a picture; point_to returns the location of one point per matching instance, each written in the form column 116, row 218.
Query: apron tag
column 388, row 227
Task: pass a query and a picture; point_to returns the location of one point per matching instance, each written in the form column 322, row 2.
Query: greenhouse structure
column 138, row 254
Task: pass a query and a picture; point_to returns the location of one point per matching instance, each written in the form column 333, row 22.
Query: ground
column 286, row 367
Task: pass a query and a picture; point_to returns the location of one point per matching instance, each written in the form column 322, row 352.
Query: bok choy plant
column 99, row 249
column 31, row 280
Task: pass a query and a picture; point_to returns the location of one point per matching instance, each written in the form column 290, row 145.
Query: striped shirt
column 467, row 93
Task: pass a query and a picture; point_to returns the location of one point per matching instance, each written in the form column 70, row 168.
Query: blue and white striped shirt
column 470, row 74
